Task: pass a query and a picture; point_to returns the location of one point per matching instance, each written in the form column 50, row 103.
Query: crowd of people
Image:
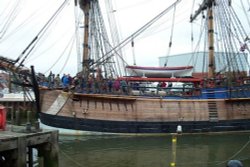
column 96, row 83
column 91, row 84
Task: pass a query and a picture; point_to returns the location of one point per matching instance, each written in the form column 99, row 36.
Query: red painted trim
column 160, row 68
column 144, row 79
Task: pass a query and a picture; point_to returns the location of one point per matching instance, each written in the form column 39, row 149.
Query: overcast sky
column 17, row 29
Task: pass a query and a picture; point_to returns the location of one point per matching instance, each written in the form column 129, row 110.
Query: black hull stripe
column 142, row 127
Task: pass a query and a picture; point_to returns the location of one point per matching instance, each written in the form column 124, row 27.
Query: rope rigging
column 10, row 18
column 115, row 36
column 77, row 15
column 32, row 45
column 245, row 11
column 42, row 52
column 235, row 32
column 136, row 4
column 171, row 35
column 225, row 36
column 192, row 28
column 100, row 46
column 99, row 43
column 248, row 5
column 70, row 45
column 70, row 50
column 133, row 51
column 110, row 54
column 196, row 49
column 225, row 17
column 230, row 39
column 164, row 24
column 221, row 17
column 32, row 17
column 237, row 153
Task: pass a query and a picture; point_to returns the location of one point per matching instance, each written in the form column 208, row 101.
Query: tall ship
column 109, row 96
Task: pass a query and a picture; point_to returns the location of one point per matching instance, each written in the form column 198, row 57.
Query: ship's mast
column 208, row 5
column 85, row 6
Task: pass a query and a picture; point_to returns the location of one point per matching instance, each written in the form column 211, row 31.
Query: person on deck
column 116, row 86
column 96, row 86
column 90, row 83
column 64, row 75
column 57, row 81
column 51, row 78
column 70, row 79
column 110, row 85
column 124, row 87
column 65, row 81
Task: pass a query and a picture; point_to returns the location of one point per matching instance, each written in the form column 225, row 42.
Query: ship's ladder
column 212, row 106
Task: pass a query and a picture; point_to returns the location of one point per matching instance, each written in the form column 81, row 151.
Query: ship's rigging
column 107, row 54
column 96, row 42
column 227, row 38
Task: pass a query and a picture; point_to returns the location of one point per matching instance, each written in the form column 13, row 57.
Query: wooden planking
column 57, row 105
column 116, row 108
column 14, row 146
column 10, row 139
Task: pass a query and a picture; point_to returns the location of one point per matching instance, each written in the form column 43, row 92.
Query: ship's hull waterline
column 135, row 114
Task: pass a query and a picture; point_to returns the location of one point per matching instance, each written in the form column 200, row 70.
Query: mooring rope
column 71, row 159
column 233, row 156
column 217, row 163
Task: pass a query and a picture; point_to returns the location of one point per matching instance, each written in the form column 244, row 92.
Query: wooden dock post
column 17, row 121
column 49, row 152
column 30, row 157
column 17, row 110
column 17, row 147
column 21, row 151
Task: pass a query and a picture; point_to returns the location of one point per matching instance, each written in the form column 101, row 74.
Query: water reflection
column 154, row 151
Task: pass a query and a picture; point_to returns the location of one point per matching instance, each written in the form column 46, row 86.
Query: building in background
column 199, row 61
column 4, row 83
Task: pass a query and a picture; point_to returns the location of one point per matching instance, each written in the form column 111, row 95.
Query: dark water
column 154, row 151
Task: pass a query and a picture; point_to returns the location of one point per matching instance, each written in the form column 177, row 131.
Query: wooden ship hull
column 136, row 114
